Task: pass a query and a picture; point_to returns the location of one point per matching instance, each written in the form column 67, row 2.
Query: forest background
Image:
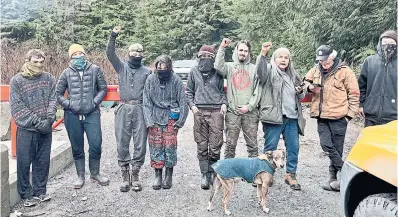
column 180, row 27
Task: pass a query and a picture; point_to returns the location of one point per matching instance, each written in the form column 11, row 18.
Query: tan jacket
column 339, row 95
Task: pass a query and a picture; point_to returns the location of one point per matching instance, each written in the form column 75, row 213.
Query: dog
column 227, row 175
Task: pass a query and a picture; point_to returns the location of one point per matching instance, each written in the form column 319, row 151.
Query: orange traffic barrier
column 112, row 95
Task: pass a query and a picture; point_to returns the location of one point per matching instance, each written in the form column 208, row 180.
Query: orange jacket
column 339, row 95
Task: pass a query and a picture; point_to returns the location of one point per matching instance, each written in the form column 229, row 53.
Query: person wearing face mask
column 243, row 95
column 207, row 99
column 378, row 82
column 129, row 115
column 280, row 107
column 165, row 112
column 335, row 101
column 33, row 107
column 86, row 88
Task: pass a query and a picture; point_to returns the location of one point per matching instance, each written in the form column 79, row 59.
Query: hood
column 389, row 34
column 235, row 56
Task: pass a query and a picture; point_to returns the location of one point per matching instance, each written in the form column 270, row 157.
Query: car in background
column 368, row 181
column 183, row 67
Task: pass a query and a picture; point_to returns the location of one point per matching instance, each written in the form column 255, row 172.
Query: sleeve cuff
column 250, row 108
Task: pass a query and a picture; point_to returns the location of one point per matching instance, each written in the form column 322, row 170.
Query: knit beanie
column 206, row 49
column 389, row 34
column 75, row 48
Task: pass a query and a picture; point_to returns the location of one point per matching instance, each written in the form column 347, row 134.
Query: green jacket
column 270, row 105
column 242, row 82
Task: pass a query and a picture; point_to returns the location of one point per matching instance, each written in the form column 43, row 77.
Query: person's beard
column 242, row 58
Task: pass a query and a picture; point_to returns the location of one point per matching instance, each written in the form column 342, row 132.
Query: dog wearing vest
column 259, row 171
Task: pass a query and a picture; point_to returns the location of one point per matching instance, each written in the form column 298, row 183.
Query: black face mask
column 206, row 65
column 135, row 62
column 164, row 75
column 388, row 51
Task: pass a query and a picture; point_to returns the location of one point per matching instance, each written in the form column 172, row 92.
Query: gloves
column 44, row 126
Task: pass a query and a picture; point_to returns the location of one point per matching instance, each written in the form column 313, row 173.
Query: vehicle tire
column 383, row 205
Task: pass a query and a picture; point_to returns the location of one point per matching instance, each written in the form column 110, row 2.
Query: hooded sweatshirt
column 242, row 82
column 378, row 87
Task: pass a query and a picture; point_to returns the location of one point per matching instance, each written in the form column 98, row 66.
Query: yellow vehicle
column 368, row 182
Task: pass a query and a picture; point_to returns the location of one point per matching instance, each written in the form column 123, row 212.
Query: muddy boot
column 126, row 180
column 135, row 180
column 204, row 184
column 332, row 183
column 94, row 166
column 81, row 171
column 290, row 179
column 157, row 182
column 168, row 178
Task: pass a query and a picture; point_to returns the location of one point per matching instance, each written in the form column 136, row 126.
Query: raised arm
column 220, row 64
column 111, row 50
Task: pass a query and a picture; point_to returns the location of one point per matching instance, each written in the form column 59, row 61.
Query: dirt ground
column 186, row 198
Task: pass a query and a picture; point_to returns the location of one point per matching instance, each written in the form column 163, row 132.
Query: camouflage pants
column 208, row 134
column 163, row 145
column 249, row 124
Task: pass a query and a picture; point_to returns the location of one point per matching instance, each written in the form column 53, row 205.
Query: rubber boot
column 126, row 180
column 81, row 172
column 135, row 180
column 168, row 178
column 204, row 184
column 94, row 166
column 157, row 182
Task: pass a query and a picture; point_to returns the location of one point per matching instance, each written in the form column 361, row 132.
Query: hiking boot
column 81, row 172
column 290, row 179
column 94, row 166
column 31, row 202
column 168, row 178
column 43, row 197
column 157, row 182
column 204, row 184
column 332, row 184
column 126, row 180
column 135, row 180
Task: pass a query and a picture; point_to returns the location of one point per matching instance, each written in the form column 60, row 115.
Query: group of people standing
column 154, row 106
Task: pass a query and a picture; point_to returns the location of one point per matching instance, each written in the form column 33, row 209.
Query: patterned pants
column 163, row 145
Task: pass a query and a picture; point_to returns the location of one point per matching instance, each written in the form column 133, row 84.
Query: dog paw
column 266, row 210
column 209, row 208
column 228, row 213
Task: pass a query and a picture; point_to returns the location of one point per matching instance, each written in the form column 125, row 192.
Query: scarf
column 134, row 62
column 32, row 69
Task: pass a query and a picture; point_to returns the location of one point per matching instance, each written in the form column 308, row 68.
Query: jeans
column 289, row 130
column 32, row 148
column 75, row 127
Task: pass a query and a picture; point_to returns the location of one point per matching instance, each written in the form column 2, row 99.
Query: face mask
column 163, row 74
column 79, row 63
column 135, row 62
column 30, row 69
column 388, row 51
column 206, row 65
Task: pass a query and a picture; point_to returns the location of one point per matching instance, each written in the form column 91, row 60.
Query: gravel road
column 186, row 198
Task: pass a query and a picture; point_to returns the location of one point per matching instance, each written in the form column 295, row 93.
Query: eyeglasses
column 37, row 61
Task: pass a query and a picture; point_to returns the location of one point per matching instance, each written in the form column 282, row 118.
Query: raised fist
column 265, row 48
column 117, row 29
column 225, row 42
